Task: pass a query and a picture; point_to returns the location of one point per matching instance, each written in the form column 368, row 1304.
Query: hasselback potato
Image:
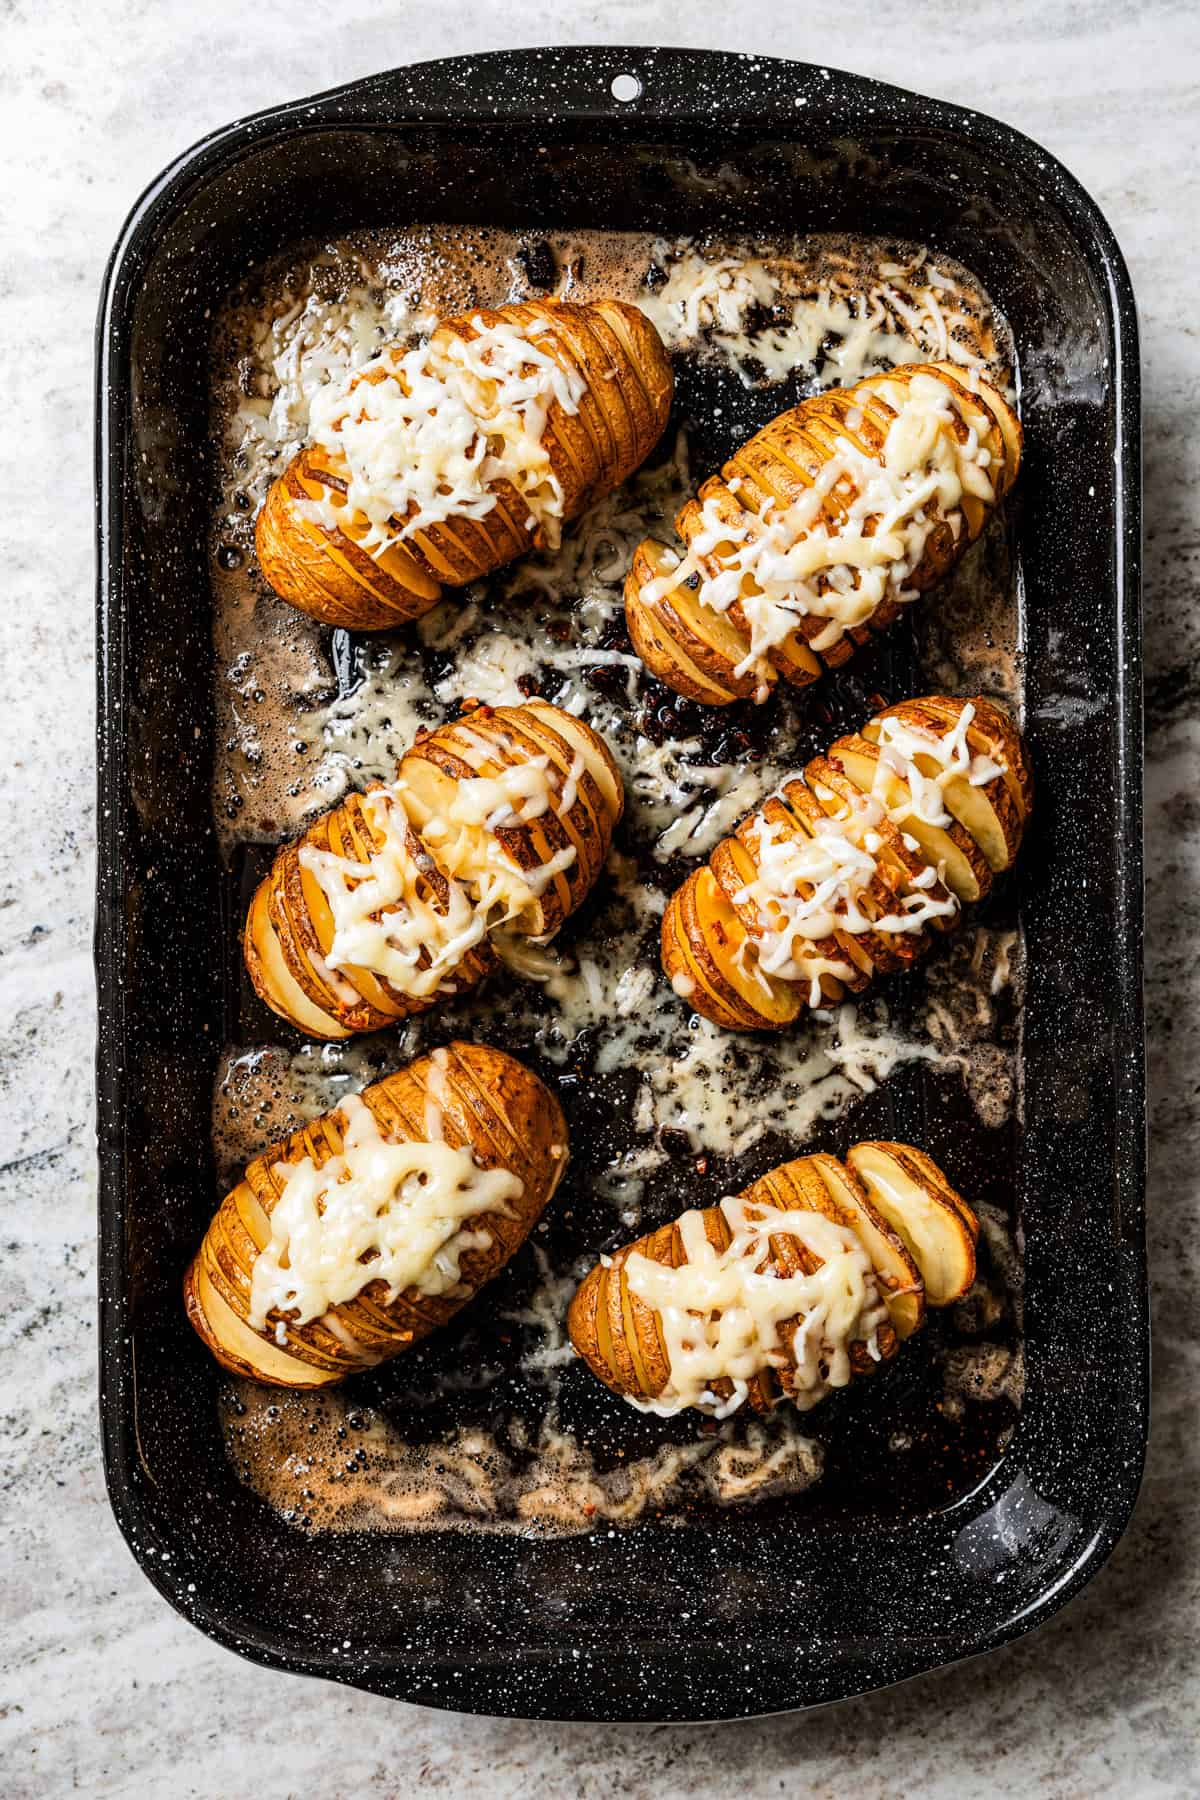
column 358, row 1235
column 845, row 870
column 499, row 821
column 811, row 1276
column 820, row 530
column 430, row 467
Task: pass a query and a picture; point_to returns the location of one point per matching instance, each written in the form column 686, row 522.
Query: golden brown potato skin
column 708, row 933
column 626, row 376
column 619, row 1337
column 289, row 930
column 779, row 464
column 488, row 1102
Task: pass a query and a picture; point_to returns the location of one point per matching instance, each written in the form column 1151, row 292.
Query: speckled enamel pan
column 732, row 1613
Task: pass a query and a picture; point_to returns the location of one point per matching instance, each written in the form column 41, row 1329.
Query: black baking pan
column 734, row 1613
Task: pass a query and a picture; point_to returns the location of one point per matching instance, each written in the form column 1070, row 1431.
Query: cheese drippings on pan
column 851, row 541
column 425, row 435
column 910, row 311
column 377, row 1211
column 726, row 1315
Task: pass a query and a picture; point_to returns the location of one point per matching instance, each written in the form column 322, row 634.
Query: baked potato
column 810, row 1277
column 501, row 820
column 357, row 1236
column 849, row 867
column 820, row 530
column 431, row 467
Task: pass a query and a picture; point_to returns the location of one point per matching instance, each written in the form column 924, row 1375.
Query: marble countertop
column 103, row 1688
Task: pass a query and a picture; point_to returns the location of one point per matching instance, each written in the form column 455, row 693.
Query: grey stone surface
column 103, row 1689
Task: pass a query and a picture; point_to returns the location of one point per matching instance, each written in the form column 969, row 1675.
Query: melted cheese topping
column 785, row 563
column 384, row 917
column 426, row 435
column 379, row 1211
column 503, row 890
column 516, row 796
column 721, row 1311
column 811, row 887
column 904, row 747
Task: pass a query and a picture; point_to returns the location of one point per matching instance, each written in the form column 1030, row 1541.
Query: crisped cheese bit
column 781, row 564
column 722, row 1313
column 426, row 435
column 378, row 1211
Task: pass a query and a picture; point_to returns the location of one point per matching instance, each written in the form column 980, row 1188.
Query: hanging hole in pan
column 625, row 87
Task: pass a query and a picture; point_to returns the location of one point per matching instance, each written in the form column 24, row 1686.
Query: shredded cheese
column 384, row 915
column 902, row 749
column 427, row 434
column 781, row 564
column 808, row 888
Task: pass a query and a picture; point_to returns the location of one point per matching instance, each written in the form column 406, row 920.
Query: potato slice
column 837, row 962
column 709, row 960
column 547, row 721
column 620, row 1337
column 326, row 573
column 290, row 931
column 963, row 866
column 691, row 647
column 801, row 1186
column 1005, row 438
column 993, row 814
column 935, row 1224
column 899, row 1277
column 992, row 732
column 825, row 792
column 903, row 869
column 273, row 979
column 856, row 956
column 538, row 870
column 511, row 862
column 790, row 657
